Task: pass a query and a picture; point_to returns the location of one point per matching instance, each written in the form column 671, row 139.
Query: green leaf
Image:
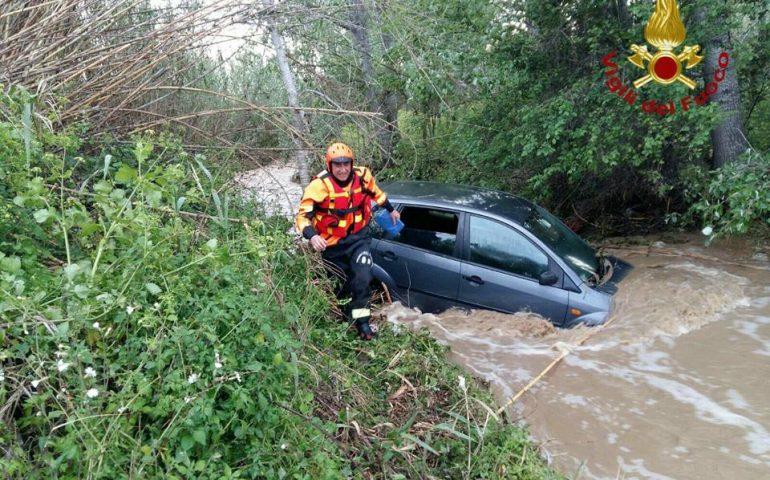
column 42, row 215
column 153, row 288
column 125, row 174
column 419, row 442
column 142, row 151
column 107, row 160
column 200, row 436
column 63, row 328
column 448, row 428
column 103, row 186
column 277, row 359
column 89, row 229
column 71, row 270
column 81, row 291
column 154, row 198
column 212, row 244
column 203, row 167
column 10, row 264
column 187, row 442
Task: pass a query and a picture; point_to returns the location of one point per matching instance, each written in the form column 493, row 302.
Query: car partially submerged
column 471, row 247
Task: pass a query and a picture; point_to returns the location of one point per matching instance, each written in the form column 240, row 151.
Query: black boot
column 364, row 330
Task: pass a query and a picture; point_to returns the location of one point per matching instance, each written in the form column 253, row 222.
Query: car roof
column 463, row 197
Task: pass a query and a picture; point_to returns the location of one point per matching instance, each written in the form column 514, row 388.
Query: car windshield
column 564, row 242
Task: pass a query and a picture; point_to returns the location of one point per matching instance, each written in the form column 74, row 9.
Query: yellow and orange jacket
column 335, row 212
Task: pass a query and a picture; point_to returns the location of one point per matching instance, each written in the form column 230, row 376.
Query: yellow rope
column 565, row 350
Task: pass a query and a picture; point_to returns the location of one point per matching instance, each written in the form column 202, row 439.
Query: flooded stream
column 676, row 386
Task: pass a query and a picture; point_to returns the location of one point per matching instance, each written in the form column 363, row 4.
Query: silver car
column 477, row 248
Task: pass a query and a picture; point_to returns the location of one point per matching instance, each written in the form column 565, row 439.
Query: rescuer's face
column 341, row 171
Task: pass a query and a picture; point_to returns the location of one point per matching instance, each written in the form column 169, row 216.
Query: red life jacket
column 344, row 211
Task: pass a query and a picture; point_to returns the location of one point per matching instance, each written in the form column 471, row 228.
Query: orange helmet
column 339, row 153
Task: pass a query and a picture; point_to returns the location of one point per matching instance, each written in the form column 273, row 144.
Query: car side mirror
column 548, row 278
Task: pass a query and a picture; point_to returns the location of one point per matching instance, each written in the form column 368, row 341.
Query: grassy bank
column 154, row 327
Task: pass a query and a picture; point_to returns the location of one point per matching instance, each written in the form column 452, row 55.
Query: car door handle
column 389, row 256
column 474, row 279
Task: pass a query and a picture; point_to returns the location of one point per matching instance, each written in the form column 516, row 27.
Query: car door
column 501, row 271
column 423, row 259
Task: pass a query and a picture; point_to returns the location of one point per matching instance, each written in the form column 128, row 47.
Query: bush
column 733, row 200
column 146, row 333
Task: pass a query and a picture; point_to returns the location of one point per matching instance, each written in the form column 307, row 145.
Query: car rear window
column 429, row 229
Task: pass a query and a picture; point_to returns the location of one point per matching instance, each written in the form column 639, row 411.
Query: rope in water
column 564, row 351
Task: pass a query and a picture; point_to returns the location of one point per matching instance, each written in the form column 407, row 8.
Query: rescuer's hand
column 394, row 215
column 318, row 243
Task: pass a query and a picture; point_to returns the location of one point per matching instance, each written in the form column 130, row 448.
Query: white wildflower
column 92, row 393
column 283, row 446
column 461, row 383
column 187, row 399
column 192, row 378
column 97, row 326
column 122, row 409
column 707, row 231
column 237, row 376
column 90, row 372
column 35, row 383
column 62, row 366
column 130, row 309
column 2, row 375
column 488, row 48
column 217, row 361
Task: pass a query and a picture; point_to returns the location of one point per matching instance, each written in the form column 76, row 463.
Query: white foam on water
column 705, row 408
column 637, row 466
column 708, row 410
column 736, row 400
column 521, row 375
column 750, row 327
column 751, row 460
column 574, row 400
column 649, row 360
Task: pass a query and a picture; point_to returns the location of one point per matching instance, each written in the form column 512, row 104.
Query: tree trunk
column 298, row 117
column 727, row 140
column 624, row 17
column 361, row 41
column 389, row 102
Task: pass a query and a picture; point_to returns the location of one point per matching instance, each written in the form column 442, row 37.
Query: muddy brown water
column 676, row 386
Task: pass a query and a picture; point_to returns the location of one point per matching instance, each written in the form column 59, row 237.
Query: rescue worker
column 334, row 215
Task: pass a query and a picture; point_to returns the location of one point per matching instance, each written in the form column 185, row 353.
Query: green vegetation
column 522, row 105
column 734, row 200
column 152, row 323
column 147, row 333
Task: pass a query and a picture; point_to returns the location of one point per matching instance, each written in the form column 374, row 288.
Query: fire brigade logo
column 665, row 31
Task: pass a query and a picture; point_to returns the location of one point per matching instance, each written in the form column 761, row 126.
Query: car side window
column 499, row 246
column 430, row 229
